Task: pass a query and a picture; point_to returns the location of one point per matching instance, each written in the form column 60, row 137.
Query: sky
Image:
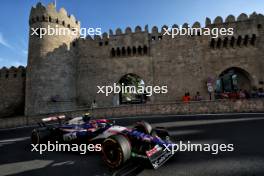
column 111, row 14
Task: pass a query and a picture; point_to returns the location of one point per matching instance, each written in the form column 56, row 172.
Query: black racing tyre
column 39, row 135
column 116, row 151
column 143, row 127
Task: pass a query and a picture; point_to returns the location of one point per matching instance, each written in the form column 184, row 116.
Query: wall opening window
column 128, row 51
column 113, row 52
column 225, row 42
column 139, row 50
column 239, row 40
column 134, row 50
column 123, row 51
column 219, row 43
column 232, row 42
column 118, row 53
column 212, row 43
column 145, row 50
column 253, row 40
column 245, row 40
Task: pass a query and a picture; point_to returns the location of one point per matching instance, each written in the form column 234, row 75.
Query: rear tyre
column 39, row 136
column 116, row 151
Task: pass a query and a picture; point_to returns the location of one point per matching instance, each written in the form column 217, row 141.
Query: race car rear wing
column 51, row 119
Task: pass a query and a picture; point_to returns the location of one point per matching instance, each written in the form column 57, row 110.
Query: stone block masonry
column 63, row 72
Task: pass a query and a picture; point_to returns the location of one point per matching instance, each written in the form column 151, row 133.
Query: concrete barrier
column 170, row 108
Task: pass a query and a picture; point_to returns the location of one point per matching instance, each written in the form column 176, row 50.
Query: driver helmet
column 86, row 117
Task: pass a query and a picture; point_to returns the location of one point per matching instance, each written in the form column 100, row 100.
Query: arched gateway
column 131, row 83
column 234, row 79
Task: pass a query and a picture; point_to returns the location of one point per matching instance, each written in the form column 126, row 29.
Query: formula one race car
column 119, row 144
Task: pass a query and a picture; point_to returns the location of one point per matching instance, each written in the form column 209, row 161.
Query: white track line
column 14, row 139
column 186, row 115
column 204, row 122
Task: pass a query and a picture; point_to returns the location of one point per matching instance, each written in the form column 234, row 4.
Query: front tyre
column 116, row 151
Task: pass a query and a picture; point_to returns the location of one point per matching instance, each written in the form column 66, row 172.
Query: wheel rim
column 112, row 153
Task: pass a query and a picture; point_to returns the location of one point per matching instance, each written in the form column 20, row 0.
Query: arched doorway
column 134, row 84
column 232, row 80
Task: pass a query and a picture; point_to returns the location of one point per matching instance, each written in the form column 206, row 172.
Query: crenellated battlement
column 232, row 19
column 257, row 18
column 12, row 72
column 140, row 39
column 254, row 22
column 48, row 13
column 128, row 30
column 118, row 32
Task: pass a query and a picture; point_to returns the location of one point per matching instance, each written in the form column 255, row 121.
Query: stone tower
column 51, row 67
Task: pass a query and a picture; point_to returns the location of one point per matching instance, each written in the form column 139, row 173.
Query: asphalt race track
column 246, row 133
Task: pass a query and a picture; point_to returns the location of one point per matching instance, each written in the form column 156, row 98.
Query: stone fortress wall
column 12, row 91
column 63, row 72
column 183, row 63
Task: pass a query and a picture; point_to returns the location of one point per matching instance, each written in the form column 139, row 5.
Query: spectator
column 197, row 97
column 260, row 93
column 247, row 95
column 254, row 93
column 186, row 98
column 242, row 94
column 94, row 105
